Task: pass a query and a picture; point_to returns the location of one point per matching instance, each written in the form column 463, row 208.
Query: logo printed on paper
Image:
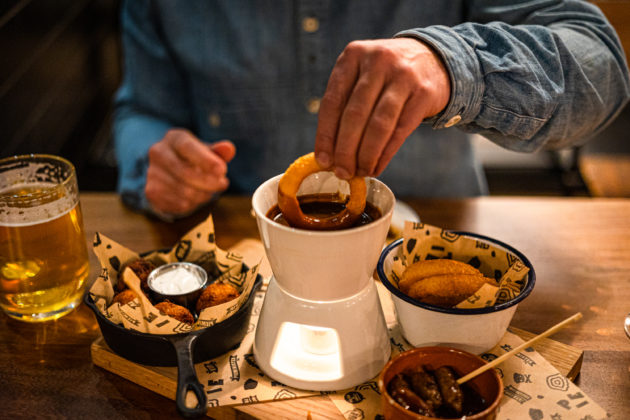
column 449, row 236
column 522, row 378
column 354, row 414
column 557, row 382
column 354, row 397
column 250, row 400
column 519, row 396
column 284, row 394
column 371, row 385
column 536, row 414
column 236, row 373
column 115, row 263
column 183, row 249
column 218, row 386
column 211, row 367
column 526, row 359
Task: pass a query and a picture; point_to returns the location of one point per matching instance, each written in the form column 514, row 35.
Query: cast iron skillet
column 181, row 350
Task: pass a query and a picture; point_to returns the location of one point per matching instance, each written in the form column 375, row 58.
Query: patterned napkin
column 533, row 388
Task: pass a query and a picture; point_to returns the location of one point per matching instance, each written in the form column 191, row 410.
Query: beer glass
column 43, row 255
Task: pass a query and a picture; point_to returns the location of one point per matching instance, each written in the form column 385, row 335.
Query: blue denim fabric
column 525, row 74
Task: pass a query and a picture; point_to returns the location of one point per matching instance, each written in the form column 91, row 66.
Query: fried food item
column 290, row 207
column 124, row 297
column 142, row 268
column 216, row 294
column 427, row 268
column 441, row 282
column 175, row 311
column 447, row 290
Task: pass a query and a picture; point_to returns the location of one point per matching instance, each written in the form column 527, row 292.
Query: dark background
column 60, row 65
column 59, row 68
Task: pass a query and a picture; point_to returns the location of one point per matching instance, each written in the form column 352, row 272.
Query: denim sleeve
column 531, row 74
column 149, row 101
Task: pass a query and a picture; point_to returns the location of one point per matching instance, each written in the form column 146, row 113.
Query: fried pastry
column 142, row 268
column 175, row 311
column 446, row 290
column 124, row 297
column 215, row 294
column 427, row 268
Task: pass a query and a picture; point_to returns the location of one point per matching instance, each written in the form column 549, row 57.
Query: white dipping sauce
column 176, row 281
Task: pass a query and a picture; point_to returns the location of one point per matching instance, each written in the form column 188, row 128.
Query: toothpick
column 500, row 359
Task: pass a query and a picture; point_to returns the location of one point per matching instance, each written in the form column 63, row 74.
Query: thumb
column 225, row 149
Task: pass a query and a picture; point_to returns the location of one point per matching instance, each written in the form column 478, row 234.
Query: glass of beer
column 43, row 255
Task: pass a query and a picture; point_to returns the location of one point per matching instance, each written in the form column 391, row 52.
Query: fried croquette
column 142, row 268
column 175, row 311
column 215, row 294
column 427, row 268
column 124, row 297
column 447, row 290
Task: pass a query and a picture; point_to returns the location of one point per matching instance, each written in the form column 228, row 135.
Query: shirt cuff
column 467, row 84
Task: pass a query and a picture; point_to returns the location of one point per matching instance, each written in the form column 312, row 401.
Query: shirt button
column 453, row 121
column 214, row 119
column 312, row 105
column 310, row 24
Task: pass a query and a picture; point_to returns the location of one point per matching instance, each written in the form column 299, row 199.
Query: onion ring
column 290, row 207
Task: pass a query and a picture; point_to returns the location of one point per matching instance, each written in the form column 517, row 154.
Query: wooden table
column 580, row 249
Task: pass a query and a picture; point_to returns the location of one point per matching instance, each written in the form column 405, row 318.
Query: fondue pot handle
column 187, row 377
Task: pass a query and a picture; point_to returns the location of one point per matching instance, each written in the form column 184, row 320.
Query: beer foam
column 46, row 207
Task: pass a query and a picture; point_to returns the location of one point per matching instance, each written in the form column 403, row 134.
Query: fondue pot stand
column 181, row 350
column 321, row 325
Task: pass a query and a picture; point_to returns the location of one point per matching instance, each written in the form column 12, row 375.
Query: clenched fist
column 379, row 92
column 184, row 172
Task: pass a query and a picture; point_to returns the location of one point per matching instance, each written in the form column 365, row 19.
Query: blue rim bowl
column 531, row 279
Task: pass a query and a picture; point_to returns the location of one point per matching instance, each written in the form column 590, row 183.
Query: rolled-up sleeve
column 532, row 74
column 151, row 99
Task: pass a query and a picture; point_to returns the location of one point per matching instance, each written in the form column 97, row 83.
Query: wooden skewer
column 500, row 359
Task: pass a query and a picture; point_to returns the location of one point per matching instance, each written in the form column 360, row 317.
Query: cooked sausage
column 449, row 388
column 424, row 384
column 400, row 391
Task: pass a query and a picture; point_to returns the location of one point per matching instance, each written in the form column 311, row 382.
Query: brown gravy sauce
column 325, row 205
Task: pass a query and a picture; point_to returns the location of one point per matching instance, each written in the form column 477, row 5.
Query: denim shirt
column 525, row 74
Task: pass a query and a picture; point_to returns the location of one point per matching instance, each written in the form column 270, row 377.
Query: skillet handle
column 187, row 377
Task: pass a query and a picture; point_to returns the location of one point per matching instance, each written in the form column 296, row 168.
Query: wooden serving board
column 163, row 380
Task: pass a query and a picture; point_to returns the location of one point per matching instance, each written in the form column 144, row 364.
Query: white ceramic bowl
column 473, row 330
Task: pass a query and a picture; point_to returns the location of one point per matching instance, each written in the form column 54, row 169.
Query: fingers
column 197, row 164
column 340, row 85
column 407, row 122
column 380, row 128
column 167, row 194
column 225, row 149
column 378, row 93
column 353, row 122
column 184, row 173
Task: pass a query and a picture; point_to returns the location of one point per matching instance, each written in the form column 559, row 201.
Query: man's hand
column 185, row 172
column 379, row 91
